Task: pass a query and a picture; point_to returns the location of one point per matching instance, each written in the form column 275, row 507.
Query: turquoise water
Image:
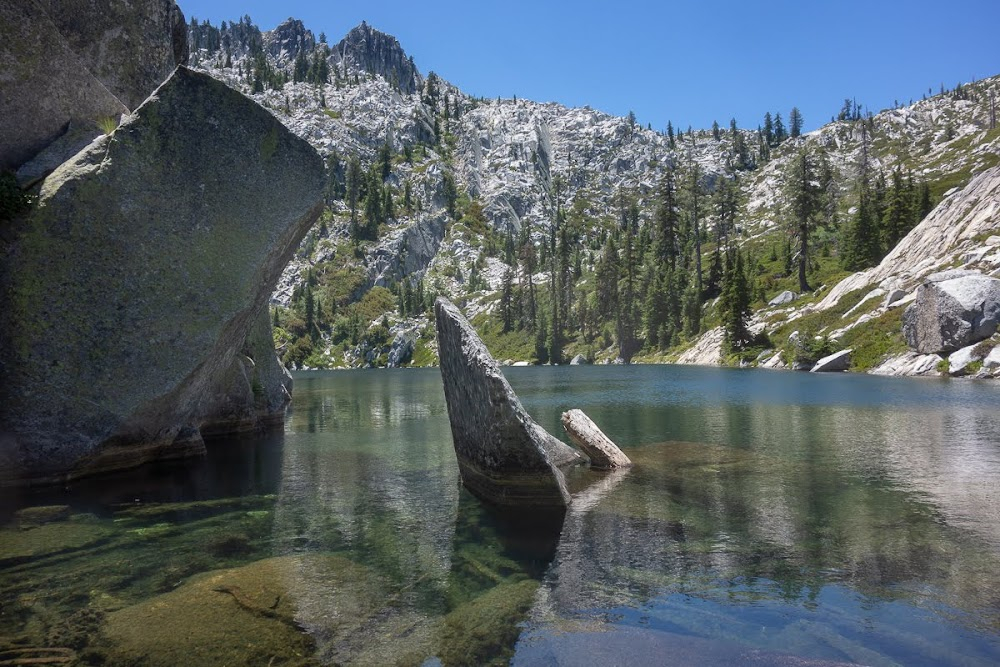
column 770, row 518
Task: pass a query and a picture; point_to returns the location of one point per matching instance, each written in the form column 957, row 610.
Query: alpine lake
column 770, row 518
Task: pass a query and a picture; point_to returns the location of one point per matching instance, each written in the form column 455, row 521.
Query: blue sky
column 687, row 62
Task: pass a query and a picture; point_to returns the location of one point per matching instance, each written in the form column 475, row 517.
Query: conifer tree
column 768, row 129
column 780, row 134
column 666, row 246
column 607, row 274
column 795, row 122
column 803, row 193
column 897, row 218
column 507, row 300
column 734, row 303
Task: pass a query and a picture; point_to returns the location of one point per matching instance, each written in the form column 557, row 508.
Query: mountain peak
column 376, row 52
column 288, row 39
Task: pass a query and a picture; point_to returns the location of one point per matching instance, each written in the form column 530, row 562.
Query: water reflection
column 839, row 520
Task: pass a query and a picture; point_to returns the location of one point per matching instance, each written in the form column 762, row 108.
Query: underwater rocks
column 140, row 281
column 603, row 453
column 504, row 457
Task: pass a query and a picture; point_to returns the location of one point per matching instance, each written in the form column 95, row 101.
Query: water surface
column 770, row 518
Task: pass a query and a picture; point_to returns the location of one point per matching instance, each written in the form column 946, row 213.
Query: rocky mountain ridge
column 525, row 163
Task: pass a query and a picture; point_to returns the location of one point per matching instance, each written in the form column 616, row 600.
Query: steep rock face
column 39, row 98
column 950, row 232
column 503, row 455
column 951, row 314
column 131, row 47
column 375, row 52
column 88, row 63
column 129, row 292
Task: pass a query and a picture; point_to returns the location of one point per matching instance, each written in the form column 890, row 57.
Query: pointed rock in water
column 836, row 362
column 129, row 296
column 603, row 453
column 503, row 455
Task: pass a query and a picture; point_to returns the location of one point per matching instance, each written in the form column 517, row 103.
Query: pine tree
column 507, row 300
column 795, row 122
column 768, row 129
column 803, row 193
column 529, row 313
column 666, row 246
column 734, row 303
column 716, row 134
column 780, row 134
column 897, row 219
column 542, row 343
column 607, row 273
column 670, row 134
column 691, row 306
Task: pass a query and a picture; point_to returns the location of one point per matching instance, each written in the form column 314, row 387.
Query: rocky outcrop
column 950, row 232
column 952, row 313
column 290, row 38
column 579, row 360
column 603, row 453
column 836, row 362
column 375, row 52
column 88, row 64
column 132, row 289
column 503, row 455
column 908, row 364
column 707, row 350
column 401, row 350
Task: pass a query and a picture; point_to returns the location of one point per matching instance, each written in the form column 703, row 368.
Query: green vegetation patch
column 876, row 340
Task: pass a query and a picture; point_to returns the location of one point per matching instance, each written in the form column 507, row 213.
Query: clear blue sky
column 688, row 62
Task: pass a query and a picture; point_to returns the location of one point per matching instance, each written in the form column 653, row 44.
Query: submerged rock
column 503, row 455
column 585, row 434
column 484, row 631
column 237, row 616
column 952, row 312
column 130, row 292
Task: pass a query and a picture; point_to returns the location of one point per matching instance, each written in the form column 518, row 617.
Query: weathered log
column 584, row 433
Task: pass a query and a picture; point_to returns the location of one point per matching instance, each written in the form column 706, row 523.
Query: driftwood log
column 584, row 433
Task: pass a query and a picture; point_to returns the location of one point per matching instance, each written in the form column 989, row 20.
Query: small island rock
column 603, row 453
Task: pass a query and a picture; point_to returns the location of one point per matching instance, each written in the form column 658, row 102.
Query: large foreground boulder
column 953, row 313
column 504, row 457
column 129, row 294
